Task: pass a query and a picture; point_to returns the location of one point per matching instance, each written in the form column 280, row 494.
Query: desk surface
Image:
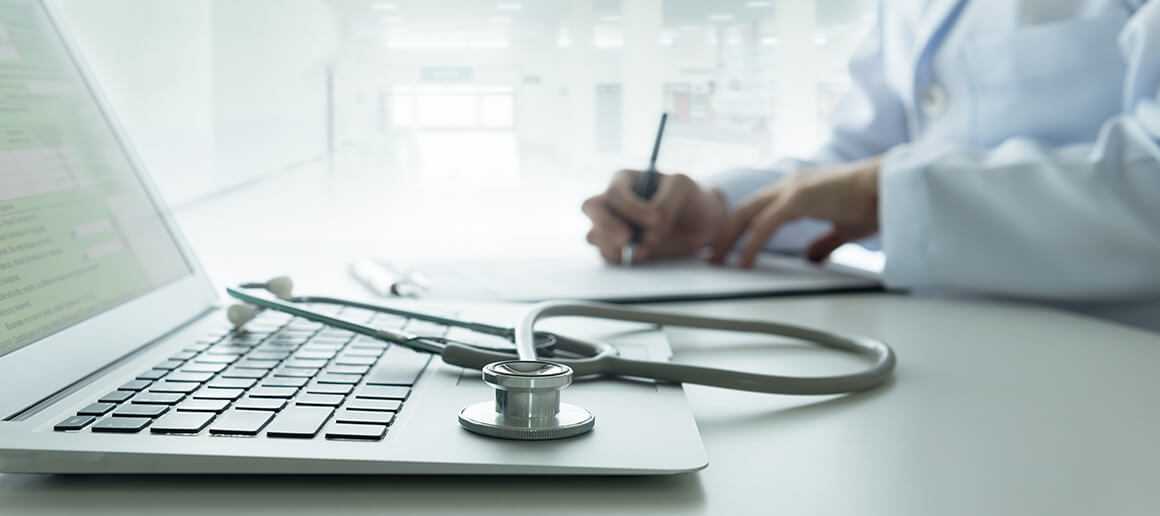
column 996, row 409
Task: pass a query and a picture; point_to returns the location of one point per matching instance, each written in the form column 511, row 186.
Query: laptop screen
column 79, row 232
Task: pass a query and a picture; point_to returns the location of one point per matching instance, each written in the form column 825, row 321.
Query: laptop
column 116, row 357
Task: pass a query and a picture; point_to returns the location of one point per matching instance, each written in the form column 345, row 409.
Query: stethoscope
column 527, row 387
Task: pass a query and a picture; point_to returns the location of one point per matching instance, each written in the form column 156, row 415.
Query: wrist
column 867, row 186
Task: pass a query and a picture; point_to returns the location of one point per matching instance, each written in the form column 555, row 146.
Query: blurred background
column 448, row 129
column 217, row 93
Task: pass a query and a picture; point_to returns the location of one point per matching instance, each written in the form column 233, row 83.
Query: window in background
column 208, row 100
column 555, row 90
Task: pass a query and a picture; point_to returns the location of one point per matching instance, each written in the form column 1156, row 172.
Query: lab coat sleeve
column 1080, row 222
column 869, row 120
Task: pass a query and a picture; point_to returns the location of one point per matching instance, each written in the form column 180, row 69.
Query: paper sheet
column 588, row 278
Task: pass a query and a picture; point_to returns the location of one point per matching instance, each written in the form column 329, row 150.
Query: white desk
column 996, row 409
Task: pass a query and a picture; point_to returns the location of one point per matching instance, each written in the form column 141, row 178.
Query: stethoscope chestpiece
column 527, row 403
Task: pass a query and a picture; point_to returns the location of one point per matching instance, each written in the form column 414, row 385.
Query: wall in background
column 214, row 93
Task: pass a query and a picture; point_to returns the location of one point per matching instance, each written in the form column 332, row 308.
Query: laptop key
column 121, row 425
column 134, row 410
column 348, row 369
column 197, row 367
column 232, row 383
column 330, row 388
column 96, row 409
column 369, row 404
column 73, row 423
column 152, row 374
column 227, row 350
column 197, row 347
column 218, row 394
column 182, row 387
column 299, row 422
column 273, row 392
column 349, row 379
column 364, row 342
column 355, row 360
column 364, row 417
column 182, row 423
column 195, row 405
column 169, row 365
column 276, row 356
column 383, row 392
column 185, row 376
column 323, row 348
column 399, row 366
column 257, row 364
column 297, row 363
column 244, row 373
column 240, row 422
column 216, row 359
column 323, row 400
column 360, row 432
column 278, row 381
column 183, row 355
column 158, row 398
column 317, row 356
column 116, row 396
column 335, row 333
column 295, row 372
column 134, row 385
column 274, row 404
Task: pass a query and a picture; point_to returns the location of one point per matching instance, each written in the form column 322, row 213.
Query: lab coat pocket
column 1055, row 83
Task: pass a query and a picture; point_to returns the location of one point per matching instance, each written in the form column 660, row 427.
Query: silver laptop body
column 101, row 298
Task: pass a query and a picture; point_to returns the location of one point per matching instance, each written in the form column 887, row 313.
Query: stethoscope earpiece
column 240, row 313
column 281, row 286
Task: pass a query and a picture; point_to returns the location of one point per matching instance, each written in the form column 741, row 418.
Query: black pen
column 645, row 187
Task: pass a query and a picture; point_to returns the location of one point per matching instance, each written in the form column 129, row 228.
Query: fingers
column 737, row 224
column 609, row 233
column 821, row 248
column 615, row 212
column 679, row 245
column 762, row 228
column 624, row 201
column 671, row 197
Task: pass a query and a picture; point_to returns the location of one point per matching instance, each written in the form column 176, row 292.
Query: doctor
column 1005, row 147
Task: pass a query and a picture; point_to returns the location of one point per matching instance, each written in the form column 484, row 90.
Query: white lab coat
column 1021, row 143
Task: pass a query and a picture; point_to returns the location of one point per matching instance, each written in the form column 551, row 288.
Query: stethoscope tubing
column 610, row 364
column 601, row 359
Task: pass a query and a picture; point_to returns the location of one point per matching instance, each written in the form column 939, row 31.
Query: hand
column 680, row 220
column 845, row 195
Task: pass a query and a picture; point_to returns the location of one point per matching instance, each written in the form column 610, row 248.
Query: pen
column 645, row 187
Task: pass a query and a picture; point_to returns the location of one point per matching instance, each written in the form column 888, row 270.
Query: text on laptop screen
column 79, row 233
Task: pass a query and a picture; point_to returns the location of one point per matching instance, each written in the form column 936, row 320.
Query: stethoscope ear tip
column 240, row 313
column 281, row 286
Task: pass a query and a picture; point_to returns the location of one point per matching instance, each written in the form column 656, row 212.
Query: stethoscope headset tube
column 527, row 390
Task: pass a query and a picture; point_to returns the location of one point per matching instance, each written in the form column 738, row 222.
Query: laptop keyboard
column 280, row 377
